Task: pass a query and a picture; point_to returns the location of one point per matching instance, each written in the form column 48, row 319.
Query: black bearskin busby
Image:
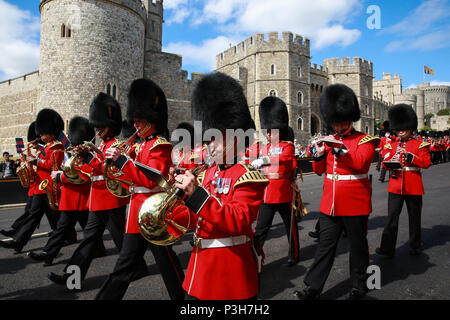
column 290, row 135
column 189, row 128
column 446, row 133
column 105, row 112
column 80, row 130
column 385, row 126
column 48, row 121
column 219, row 102
column 146, row 100
column 338, row 103
column 402, row 117
column 31, row 134
column 127, row 129
column 273, row 114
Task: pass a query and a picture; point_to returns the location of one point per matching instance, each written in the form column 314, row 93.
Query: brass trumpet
column 54, row 191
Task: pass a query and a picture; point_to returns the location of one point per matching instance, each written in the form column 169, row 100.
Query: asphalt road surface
column 423, row 277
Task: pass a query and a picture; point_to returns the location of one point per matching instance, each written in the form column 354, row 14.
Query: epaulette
column 201, row 176
column 387, row 146
column 193, row 156
column 160, row 140
column 367, row 138
column 252, row 175
column 424, row 144
column 136, row 148
column 54, row 143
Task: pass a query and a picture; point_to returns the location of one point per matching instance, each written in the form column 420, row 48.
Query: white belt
column 145, row 190
column 98, row 178
column 220, row 243
column 348, row 177
column 409, row 169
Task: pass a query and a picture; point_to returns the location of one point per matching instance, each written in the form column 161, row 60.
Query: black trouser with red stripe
column 264, row 222
column 395, row 205
column 131, row 255
column 330, row 231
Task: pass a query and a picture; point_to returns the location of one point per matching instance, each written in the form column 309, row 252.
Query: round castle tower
column 89, row 46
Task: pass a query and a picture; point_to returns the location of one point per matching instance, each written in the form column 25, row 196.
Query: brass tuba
column 71, row 166
column 154, row 217
column 113, row 175
column 26, row 171
column 53, row 191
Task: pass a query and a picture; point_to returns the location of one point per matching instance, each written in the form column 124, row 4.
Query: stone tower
column 277, row 66
column 89, row 46
column 153, row 34
column 358, row 75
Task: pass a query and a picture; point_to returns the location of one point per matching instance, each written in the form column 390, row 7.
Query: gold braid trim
column 252, row 175
column 367, row 139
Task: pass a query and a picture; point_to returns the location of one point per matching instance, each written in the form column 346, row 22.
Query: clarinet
column 401, row 160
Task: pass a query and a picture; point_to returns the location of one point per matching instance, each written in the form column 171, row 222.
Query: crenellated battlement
column 320, row 70
column 347, row 65
column 29, row 81
column 261, row 42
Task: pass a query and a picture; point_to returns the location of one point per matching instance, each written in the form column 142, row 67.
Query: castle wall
column 387, row 88
column 18, row 102
column 436, row 98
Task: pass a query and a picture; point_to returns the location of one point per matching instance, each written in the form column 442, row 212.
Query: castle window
column 63, row 30
column 68, row 32
column 366, row 91
column 300, row 124
column 367, row 109
column 299, row 72
column 272, row 93
column 272, row 69
column 317, row 87
column 32, row 107
column 114, row 91
column 321, row 88
column 235, row 49
column 108, row 89
column 300, row 97
column 312, row 86
column 367, row 129
column 251, row 40
column 153, row 26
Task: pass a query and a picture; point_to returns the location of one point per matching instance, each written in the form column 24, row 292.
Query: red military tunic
column 100, row 198
column 386, row 145
column 74, row 197
column 410, row 182
column 186, row 160
column 279, row 168
column 224, row 273
column 154, row 152
column 347, row 197
column 54, row 152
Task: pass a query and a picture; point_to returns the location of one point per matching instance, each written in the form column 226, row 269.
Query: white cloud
column 18, row 43
column 174, row 4
column 427, row 42
column 422, row 18
column 321, row 21
column 439, row 83
column 203, row 54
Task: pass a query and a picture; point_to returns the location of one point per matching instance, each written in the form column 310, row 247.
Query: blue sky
column 412, row 33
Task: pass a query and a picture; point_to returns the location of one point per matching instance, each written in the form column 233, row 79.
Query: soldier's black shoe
column 307, row 294
column 292, row 262
column 8, row 233
column 11, row 245
column 415, row 252
column 314, row 234
column 42, row 256
column 384, row 253
column 357, row 294
column 58, row 279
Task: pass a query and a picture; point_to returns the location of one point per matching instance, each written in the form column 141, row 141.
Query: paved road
column 405, row 277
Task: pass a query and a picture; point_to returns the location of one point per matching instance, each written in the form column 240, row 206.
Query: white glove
column 258, row 163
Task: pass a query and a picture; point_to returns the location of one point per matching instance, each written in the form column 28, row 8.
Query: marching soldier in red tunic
column 385, row 147
column 105, row 209
column 74, row 196
column 223, row 203
column 279, row 163
column 346, row 200
column 182, row 154
column 31, row 136
column 407, row 187
column 49, row 125
column 147, row 108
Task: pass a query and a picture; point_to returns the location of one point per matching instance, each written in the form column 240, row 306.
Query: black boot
column 307, row 294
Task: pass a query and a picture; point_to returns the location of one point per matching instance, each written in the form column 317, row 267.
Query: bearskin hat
column 80, row 130
column 186, row 126
column 446, row 132
column 290, row 135
column 48, row 121
column 146, row 100
column 273, row 113
column 219, row 102
column 338, row 103
column 31, row 134
column 402, row 117
column 105, row 112
column 128, row 129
